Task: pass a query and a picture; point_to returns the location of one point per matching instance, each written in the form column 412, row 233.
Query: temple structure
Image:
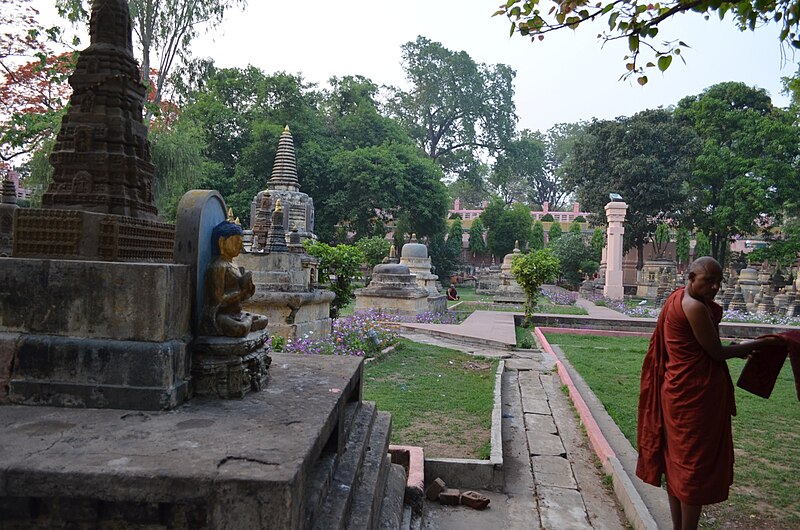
column 393, row 289
column 414, row 255
column 285, row 275
column 284, row 185
column 8, row 204
column 509, row 291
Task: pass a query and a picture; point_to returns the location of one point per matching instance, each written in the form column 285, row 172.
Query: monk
column 686, row 398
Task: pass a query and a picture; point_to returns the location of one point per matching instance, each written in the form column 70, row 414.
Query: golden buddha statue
column 227, row 287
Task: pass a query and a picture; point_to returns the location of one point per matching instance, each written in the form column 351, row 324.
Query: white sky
column 567, row 77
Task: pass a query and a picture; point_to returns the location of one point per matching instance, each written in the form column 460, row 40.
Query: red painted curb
column 598, row 441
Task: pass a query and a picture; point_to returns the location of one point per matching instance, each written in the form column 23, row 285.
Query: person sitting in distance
column 452, row 294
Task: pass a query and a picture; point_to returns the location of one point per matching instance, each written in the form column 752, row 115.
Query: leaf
column 650, row 64
column 633, row 43
column 642, row 80
column 664, row 61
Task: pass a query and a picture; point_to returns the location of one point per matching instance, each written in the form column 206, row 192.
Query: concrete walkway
column 552, row 480
column 551, row 477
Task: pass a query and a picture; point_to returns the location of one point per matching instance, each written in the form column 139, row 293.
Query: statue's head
column 228, row 236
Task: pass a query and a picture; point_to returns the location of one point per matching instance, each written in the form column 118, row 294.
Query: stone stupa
column 414, row 255
column 8, row 204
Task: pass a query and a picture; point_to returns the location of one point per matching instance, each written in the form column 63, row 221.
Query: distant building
column 562, row 217
column 22, row 193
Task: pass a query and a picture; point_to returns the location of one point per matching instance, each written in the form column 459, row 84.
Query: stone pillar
column 615, row 213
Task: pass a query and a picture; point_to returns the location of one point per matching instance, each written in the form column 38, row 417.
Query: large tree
column 746, row 176
column 551, row 186
column 646, row 158
column 506, row 225
column 519, row 168
column 637, row 22
column 456, row 109
column 164, row 29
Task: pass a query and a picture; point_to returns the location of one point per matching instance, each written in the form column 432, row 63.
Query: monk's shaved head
column 706, row 264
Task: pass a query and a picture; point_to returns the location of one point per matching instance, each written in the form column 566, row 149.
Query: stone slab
column 244, row 461
column 540, row 443
column 532, row 405
column 552, row 471
column 540, row 423
column 8, row 343
column 562, row 508
column 94, row 299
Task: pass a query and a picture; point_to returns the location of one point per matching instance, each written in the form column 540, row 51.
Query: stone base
column 227, row 367
column 294, row 314
column 211, row 463
column 398, row 305
column 437, row 303
column 99, row 373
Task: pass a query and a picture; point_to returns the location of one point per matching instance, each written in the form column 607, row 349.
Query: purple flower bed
column 364, row 333
column 739, row 316
column 559, row 297
column 429, row 317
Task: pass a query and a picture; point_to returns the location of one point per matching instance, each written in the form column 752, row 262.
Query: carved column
column 615, row 213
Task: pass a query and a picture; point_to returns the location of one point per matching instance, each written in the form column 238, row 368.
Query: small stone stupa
column 284, row 185
column 285, row 275
column 8, row 203
column 414, row 255
column 393, row 289
column 509, row 291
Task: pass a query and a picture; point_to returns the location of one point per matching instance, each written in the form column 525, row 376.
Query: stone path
column 551, row 478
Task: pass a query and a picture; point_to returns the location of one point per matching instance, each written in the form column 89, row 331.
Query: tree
column 682, row 245
column 746, row 174
column 518, row 168
column 596, row 244
column 506, row 225
column 555, row 232
column 575, row 228
column 444, row 257
column 340, row 266
column 702, row 245
column 477, row 245
column 573, row 256
column 537, row 235
column 165, row 28
column 455, row 108
column 637, row 22
column 551, row 186
column 455, row 236
column 531, row 270
column 374, row 249
column 646, row 158
column 661, row 239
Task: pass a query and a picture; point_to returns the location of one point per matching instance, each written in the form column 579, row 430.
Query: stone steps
column 349, row 492
column 392, row 508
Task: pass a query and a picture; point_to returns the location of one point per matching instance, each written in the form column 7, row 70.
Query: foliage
column 455, row 108
column 445, row 257
column 702, row 245
column 552, row 187
column 580, row 219
column 455, row 235
column 518, row 167
column 477, row 244
column 363, row 334
column 547, row 218
column 573, row 256
column 596, row 244
column 537, row 235
column 374, row 249
column 682, row 245
column 506, row 226
column 531, row 270
column 555, row 232
column 339, row 265
column 784, row 246
column 645, row 158
column 575, row 228
column 746, row 174
column 661, row 239
column 638, row 22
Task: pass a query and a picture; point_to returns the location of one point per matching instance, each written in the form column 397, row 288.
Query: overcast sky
column 567, row 77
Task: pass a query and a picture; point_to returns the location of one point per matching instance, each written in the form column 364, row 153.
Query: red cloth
column 761, row 371
column 685, row 408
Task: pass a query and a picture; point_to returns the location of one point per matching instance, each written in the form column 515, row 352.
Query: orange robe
column 685, row 407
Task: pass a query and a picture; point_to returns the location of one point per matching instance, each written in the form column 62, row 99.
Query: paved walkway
column 552, row 478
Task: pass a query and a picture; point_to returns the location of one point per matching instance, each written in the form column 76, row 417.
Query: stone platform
column 291, row 456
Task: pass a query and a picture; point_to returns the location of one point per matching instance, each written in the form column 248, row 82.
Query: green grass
column 437, row 396
column 524, row 337
column 766, row 433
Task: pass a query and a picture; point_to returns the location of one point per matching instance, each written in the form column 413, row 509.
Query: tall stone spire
column 284, row 169
column 101, row 159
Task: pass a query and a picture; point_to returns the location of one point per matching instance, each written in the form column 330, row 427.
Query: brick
column 475, row 500
column 436, row 487
column 450, row 496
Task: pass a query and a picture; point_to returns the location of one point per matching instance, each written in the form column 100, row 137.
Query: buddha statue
column 227, row 287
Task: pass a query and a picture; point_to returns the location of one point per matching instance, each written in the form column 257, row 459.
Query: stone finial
column 284, row 169
column 230, row 215
column 8, row 194
column 516, row 246
column 278, row 207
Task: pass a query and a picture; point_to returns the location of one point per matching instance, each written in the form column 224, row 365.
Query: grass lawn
column 766, row 433
column 440, row 399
